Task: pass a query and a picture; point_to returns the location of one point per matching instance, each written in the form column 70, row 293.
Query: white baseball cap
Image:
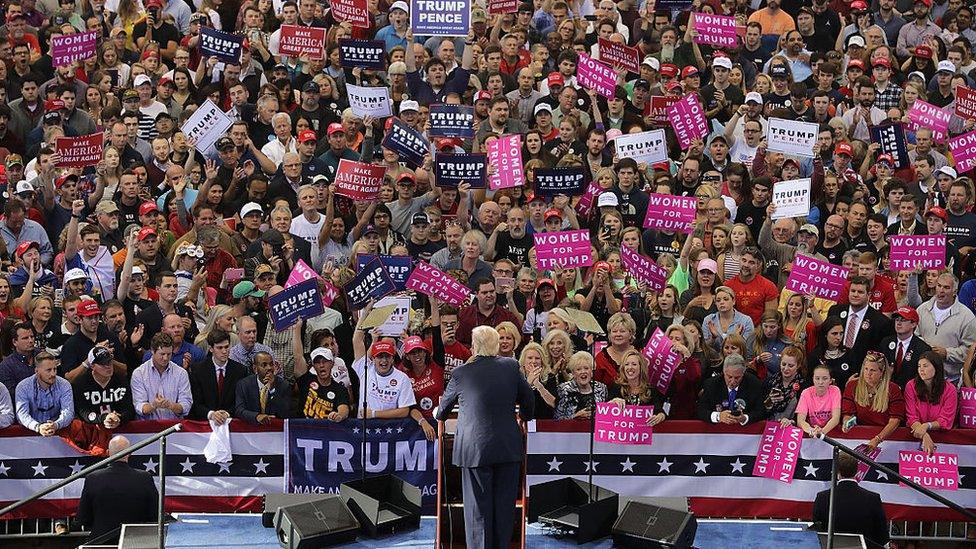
column 652, row 62
column 140, row 80
column 856, row 40
column 137, row 270
column 722, row 61
column 75, row 274
column 946, row 66
column 607, row 199
column 322, row 352
column 543, row 107
column 409, row 105
column 23, row 187
column 251, row 207
column 400, row 5
column 754, row 96
column 947, row 170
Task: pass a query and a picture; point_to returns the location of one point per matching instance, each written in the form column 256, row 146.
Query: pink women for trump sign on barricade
column 622, row 426
column 934, row 471
column 431, row 281
column 688, row 120
column 927, row 115
column 667, row 212
column 967, row 408
column 809, row 275
column 779, row 452
column 662, row 360
column 909, row 252
column 863, row 468
column 566, row 249
column 596, row 76
column 643, row 269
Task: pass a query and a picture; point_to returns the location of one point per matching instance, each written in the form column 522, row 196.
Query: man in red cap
column 904, row 348
column 936, row 219
column 91, row 331
column 887, row 94
column 336, row 134
column 918, row 30
column 384, row 392
column 308, row 141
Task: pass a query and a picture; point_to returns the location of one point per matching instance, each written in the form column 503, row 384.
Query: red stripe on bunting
column 742, row 508
column 174, row 504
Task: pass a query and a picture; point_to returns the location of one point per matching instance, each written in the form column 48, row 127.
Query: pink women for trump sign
column 596, row 76
column 934, row 471
column 927, row 115
column 688, row 120
column 643, row 269
column 669, row 213
column 963, row 148
column 662, row 360
column 431, row 281
column 715, row 30
column 566, row 249
column 623, row 426
column 909, row 252
column 809, row 275
column 779, row 452
column 505, row 153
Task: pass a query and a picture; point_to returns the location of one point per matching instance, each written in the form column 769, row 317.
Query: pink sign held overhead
column 820, row 278
column 358, row 180
column 567, row 249
column 431, row 281
column 934, row 471
column 355, row 12
column 302, row 272
column 715, row 30
column 627, row 426
column 927, row 115
column 619, row 56
column 505, row 153
column 967, row 408
column 963, row 148
column 585, row 203
column 662, row 360
column 863, row 468
column 643, row 269
column 667, row 212
column 778, row 453
column 688, row 120
column 68, row 48
column 909, row 252
column 596, row 76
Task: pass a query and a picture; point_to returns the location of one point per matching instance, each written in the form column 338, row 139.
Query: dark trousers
column 489, row 504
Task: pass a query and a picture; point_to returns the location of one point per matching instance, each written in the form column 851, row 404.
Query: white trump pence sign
column 791, row 137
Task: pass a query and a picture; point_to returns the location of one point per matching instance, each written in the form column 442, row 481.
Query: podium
column 450, row 509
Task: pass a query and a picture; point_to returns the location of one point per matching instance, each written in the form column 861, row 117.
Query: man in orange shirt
column 754, row 294
column 775, row 22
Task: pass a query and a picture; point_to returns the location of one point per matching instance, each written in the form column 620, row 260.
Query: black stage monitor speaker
column 383, row 504
column 567, row 504
column 273, row 501
column 643, row 525
column 843, row 541
column 315, row 524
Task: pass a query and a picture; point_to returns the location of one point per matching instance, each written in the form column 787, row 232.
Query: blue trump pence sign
column 302, row 300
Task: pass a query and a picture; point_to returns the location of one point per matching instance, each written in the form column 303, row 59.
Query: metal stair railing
column 160, row 436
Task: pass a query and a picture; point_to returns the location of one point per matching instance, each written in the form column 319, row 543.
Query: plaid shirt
column 887, row 98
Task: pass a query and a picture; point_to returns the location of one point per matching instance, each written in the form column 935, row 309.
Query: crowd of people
column 138, row 288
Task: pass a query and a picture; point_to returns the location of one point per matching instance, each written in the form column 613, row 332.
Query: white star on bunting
column 261, row 467
column 737, row 466
column 389, row 430
column 627, row 465
column 554, row 464
column 150, row 465
column 355, row 430
column 3, row 468
column 76, row 467
column 882, row 475
column 187, row 465
column 224, row 467
column 39, row 469
column 591, row 464
column 399, row 429
column 664, row 465
column 811, row 471
column 701, row 466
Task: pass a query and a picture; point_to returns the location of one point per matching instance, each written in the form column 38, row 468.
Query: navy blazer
column 487, row 388
column 248, row 401
column 203, row 385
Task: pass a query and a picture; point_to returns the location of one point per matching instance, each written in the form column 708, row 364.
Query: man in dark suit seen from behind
column 117, row 495
column 213, row 381
column 734, row 398
column 488, row 442
column 856, row 510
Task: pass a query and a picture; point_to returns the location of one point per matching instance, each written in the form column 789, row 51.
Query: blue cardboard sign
column 553, row 181
column 891, row 137
column 440, row 17
column 398, row 267
column 302, row 300
column 407, row 142
column 450, row 170
column 371, row 282
column 451, row 121
column 224, row 46
column 368, row 54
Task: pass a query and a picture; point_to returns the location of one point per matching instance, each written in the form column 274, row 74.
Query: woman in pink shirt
column 819, row 408
column 930, row 402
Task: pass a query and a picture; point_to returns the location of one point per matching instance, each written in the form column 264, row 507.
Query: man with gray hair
column 947, row 325
column 116, row 495
column 735, row 398
column 283, row 141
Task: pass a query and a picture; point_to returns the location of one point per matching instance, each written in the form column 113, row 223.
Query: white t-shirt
column 388, row 392
column 309, row 232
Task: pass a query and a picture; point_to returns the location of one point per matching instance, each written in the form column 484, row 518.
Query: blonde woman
column 577, row 398
column 621, row 333
column 873, row 399
column 509, row 338
column 727, row 321
column 541, row 378
column 632, row 386
column 558, row 348
column 220, row 317
column 730, row 258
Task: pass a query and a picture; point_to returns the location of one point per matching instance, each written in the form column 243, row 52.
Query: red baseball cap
column 926, row 2
column 382, row 347
column 668, row 69
column 64, row 179
column 53, row 105
column 307, row 135
column 449, row 143
column 601, row 265
column 881, row 62
column 482, row 96
column 924, row 52
column 688, row 71
column 855, row 63
column 413, row 343
column 907, row 313
column 24, row 246
column 886, row 158
column 938, row 212
column 553, row 212
column 555, row 79
column 147, row 207
column 858, row 5
column 844, row 148
column 146, row 232
column 335, row 127
column 88, row 307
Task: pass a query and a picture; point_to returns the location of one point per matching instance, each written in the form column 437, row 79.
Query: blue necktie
column 732, row 399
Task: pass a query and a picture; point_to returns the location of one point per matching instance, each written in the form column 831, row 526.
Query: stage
column 206, row 531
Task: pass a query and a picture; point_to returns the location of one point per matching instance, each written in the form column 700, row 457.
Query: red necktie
column 220, row 382
column 899, row 356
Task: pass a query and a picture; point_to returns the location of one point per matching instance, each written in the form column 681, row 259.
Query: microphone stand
column 592, row 431
column 366, row 367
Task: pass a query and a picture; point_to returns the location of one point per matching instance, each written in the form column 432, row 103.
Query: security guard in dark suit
column 856, row 510
column 488, row 442
column 117, row 495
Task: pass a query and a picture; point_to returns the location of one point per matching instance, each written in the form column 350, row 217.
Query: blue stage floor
column 207, row 531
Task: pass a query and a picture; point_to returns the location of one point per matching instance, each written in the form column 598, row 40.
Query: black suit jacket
column 715, row 392
column 248, row 399
column 909, row 363
column 487, row 388
column 856, row 511
column 117, row 495
column 203, row 385
column 875, row 326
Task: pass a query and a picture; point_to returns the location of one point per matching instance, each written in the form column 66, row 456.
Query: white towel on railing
column 218, row 447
